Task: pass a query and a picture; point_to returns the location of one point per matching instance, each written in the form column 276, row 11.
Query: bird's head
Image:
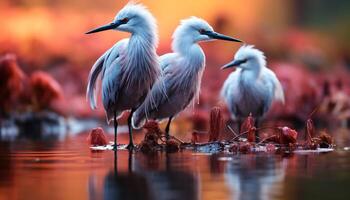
column 133, row 18
column 195, row 30
column 247, row 58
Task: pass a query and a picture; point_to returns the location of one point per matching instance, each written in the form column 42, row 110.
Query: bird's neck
column 142, row 49
column 249, row 75
column 183, row 44
column 191, row 52
column 141, row 60
column 144, row 38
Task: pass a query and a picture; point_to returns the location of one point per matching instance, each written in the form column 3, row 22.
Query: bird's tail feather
column 93, row 75
column 110, row 116
column 279, row 94
column 139, row 118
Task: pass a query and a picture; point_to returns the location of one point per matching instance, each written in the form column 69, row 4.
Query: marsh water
column 65, row 168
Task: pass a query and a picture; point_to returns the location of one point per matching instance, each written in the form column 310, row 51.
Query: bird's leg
column 167, row 129
column 130, row 162
column 257, row 131
column 115, row 162
column 131, row 141
column 115, row 130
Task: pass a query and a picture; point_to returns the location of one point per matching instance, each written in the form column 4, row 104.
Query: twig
column 173, row 137
column 234, row 133
column 256, row 129
column 315, row 110
column 266, row 139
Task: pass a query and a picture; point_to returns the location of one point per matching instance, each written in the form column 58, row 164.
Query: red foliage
column 325, row 140
column 44, row 90
column 172, row 146
column 11, row 82
column 234, row 147
column 245, row 147
column 195, row 137
column 216, row 122
column 150, row 142
column 284, row 136
column 152, row 127
column 97, row 137
column 287, row 135
column 310, row 131
column 200, row 119
column 270, row 148
column 248, row 125
column 303, row 94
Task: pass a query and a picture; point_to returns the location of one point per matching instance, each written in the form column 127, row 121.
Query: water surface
column 65, row 168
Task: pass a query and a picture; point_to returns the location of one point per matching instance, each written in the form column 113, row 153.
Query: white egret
column 252, row 87
column 129, row 68
column 182, row 73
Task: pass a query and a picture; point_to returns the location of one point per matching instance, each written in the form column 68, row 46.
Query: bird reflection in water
column 138, row 183
column 255, row 176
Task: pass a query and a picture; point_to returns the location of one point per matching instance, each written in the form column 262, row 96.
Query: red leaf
column 310, row 131
column 11, row 82
column 44, row 90
column 216, row 122
column 248, row 125
column 195, row 137
column 287, row 135
column 97, row 137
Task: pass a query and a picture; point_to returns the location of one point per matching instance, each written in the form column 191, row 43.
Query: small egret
column 181, row 73
column 129, row 68
column 252, row 87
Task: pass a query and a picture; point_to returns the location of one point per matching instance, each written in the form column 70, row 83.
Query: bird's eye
column 125, row 20
column 202, row 31
column 244, row 61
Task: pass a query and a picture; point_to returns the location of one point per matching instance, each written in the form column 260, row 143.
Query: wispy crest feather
column 250, row 51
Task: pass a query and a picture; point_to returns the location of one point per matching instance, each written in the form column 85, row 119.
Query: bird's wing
column 93, row 75
column 160, row 93
column 273, row 83
column 166, row 60
column 230, row 90
column 100, row 65
column 112, row 71
column 154, row 98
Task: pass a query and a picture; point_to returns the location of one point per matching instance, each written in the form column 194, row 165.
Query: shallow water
column 65, row 168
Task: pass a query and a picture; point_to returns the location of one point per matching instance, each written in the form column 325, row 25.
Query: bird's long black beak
column 220, row 36
column 234, row 63
column 110, row 26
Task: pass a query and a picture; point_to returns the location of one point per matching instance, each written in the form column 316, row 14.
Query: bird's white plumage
column 181, row 76
column 130, row 67
column 252, row 87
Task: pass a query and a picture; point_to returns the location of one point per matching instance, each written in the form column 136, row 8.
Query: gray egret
column 128, row 69
column 252, row 87
column 181, row 73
